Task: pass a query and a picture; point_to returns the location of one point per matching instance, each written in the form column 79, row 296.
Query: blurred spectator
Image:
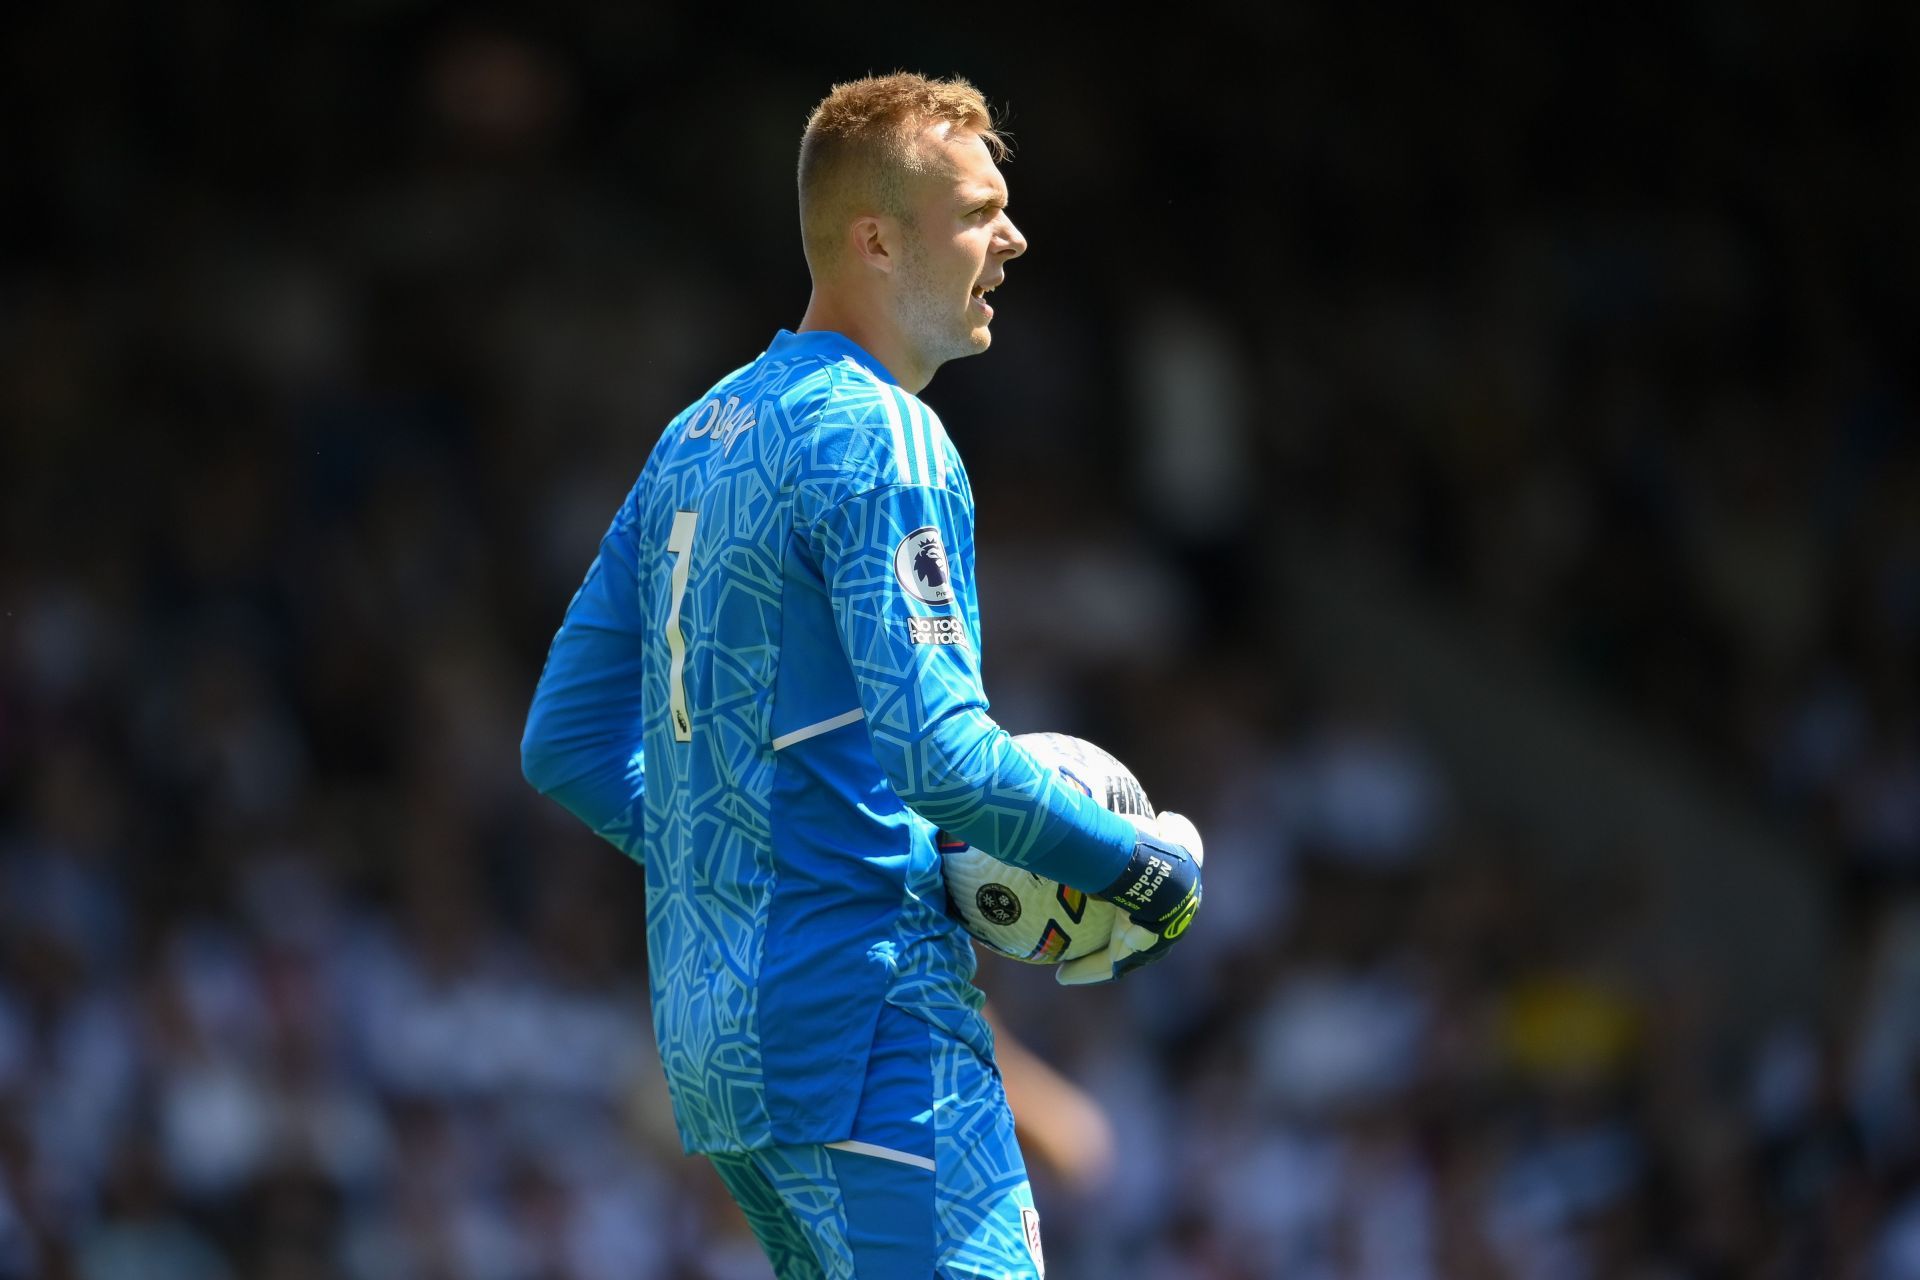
column 138, row 1236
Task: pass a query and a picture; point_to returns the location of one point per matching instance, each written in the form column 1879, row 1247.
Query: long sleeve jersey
column 767, row 691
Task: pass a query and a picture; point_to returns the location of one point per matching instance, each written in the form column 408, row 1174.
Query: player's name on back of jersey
column 935, row 631
column 725, row 423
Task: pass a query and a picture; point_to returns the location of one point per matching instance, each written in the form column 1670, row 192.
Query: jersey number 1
column 680, row 547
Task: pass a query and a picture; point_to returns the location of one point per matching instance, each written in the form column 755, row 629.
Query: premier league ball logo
column 997, row 903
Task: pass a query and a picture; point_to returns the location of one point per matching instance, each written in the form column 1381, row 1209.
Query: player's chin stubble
column 927, row 316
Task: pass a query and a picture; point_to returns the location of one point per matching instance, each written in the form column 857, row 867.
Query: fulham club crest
column 920, row 562
column 1030, row 1222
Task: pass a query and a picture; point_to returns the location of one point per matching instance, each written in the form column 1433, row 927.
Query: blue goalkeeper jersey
column 767, row 691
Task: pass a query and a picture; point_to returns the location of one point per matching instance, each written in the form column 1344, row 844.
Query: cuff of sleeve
column 1094, row 854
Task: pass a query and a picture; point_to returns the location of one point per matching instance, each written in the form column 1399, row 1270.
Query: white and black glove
column 1158, row 895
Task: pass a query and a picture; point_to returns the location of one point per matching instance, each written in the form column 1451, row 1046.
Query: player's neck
column 879, row 340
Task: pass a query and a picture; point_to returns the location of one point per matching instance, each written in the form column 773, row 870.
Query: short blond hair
column 862, row 143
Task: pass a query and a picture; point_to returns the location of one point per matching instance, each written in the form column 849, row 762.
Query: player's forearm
column 585, row 716
column 966, row 775
column 598, row 786
column 600, row 783
column 582, row 740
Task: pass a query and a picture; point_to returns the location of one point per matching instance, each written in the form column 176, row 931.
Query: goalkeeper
column 767, row 692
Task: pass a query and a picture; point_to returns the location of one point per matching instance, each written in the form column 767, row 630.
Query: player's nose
column 1013, row 243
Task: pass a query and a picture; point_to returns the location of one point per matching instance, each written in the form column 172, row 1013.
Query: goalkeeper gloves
column 1158, row 893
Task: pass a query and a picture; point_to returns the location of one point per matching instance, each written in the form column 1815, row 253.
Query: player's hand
column 1158, row 895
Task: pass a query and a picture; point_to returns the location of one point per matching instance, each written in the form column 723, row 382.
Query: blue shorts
column 931, row 1182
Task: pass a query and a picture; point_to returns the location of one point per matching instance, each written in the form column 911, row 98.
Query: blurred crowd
column 331, row 341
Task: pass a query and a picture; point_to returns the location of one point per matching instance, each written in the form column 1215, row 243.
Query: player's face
column 957, row 249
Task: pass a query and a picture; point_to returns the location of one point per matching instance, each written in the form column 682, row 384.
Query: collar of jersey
column 831, row 345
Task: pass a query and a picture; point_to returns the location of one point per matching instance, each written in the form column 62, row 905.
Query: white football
column 1027, row 916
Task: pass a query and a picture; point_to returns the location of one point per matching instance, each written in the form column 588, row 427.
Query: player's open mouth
column 980, row 293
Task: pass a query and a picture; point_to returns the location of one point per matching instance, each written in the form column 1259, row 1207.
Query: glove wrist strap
column 1159, row 875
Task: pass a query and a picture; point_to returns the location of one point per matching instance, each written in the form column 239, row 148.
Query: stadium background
column 1466, row 462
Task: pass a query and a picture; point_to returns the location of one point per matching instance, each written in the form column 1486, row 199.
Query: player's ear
column 872, row 238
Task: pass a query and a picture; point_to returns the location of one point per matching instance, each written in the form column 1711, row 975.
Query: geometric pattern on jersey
column 823, row 1213
column 802, row 739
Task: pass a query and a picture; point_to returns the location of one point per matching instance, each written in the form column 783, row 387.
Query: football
column 1030, row 917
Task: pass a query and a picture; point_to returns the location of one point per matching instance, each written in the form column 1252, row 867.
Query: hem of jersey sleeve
column 1090, row 860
